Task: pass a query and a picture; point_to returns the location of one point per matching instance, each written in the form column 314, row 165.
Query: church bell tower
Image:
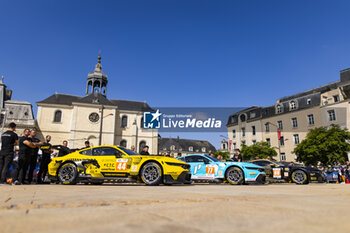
column 97, row 80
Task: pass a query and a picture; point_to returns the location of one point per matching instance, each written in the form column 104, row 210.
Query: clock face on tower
column 94, row 117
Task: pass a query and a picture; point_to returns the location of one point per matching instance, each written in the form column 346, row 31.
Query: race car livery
column 205, row 167
column 290, row 173
column 101, row 163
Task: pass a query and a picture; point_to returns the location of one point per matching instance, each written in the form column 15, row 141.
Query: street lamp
column 279, row 140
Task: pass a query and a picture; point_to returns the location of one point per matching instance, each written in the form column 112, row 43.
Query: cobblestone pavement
column 193, row 208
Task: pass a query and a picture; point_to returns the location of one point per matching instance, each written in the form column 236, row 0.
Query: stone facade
column 292, row 116
column 94, row 117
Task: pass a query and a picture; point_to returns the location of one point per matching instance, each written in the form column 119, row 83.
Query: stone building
column 96, row 118
column 286, row 123
column 185, row 146
column 20, row 112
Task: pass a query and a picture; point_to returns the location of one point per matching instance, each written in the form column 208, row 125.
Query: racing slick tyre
column 234, row 175
column 300, row 177
column 68, row 173
column 151, row 174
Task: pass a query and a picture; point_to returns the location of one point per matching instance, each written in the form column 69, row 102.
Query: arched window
column 57, row 117
column 124, row 122
column 123, row 143
column 204, row 149
column 142, row 145
column 172, row 147
column 242, row 117
column 190, row 148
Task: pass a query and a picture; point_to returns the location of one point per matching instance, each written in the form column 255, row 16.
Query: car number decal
column 210, row 170
column 276, row 173
column 121, row 164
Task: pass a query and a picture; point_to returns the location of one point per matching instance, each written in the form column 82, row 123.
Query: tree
column 260, row 149
column 225, row 155
column 324, row 145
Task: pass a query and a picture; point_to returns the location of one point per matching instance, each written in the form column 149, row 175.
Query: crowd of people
column 20, row 157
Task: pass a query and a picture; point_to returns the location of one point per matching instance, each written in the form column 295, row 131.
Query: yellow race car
column 100, row 163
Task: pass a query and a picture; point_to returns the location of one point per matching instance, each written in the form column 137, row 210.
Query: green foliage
column 260, row 149
column 324, row 145
column 225, row 155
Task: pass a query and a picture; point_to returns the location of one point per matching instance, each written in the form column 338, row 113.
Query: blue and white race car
column 207, row 168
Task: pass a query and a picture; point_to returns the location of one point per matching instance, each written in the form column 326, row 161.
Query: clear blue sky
column 174, row 53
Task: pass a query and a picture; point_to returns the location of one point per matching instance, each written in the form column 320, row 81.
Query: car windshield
column 212, row 158
column 129, row 152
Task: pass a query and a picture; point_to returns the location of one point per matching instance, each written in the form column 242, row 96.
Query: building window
column 254, row 142
column 123, row 143
column 253, row 130
column 279, row 108
column 142, row 123
column 293, row 105
column 308, row 101
column 243, row 132
column 296, row 139
column 224, row 146
column 242, row 142
column 234, row 133
column 311, row 119
column 331, row 115
column 336, row 98
column 252, row 114
column 172, row 147
column 280, row 124
column 204, row 149
column 124, row 122
column 57, row 116
column 267, row 127
column 242, row 117
column 190, row 148
column 268, row 140
column 281, row 141
column 294, row 122
column 283, row 157
column 234, row 145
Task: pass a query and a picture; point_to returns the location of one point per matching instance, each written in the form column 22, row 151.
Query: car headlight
column 184, row 166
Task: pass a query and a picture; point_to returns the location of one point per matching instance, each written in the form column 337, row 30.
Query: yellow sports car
column 100, row 163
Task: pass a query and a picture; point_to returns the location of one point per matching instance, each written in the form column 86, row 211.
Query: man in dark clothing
column 9, row 139
column 25, row 146
column 87, row 144
column 62, row 149
column 145, row 151
column 45, row 159
column 33, row 155
column 238, row 156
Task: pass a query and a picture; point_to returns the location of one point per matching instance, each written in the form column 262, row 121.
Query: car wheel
column 68, row 173
column 151, row 174
column 300, row 177
column 234, row 175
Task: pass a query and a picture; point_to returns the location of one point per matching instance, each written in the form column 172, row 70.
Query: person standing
column 25, row 146
column 145, row 151
column 87, row 144
column 133, row 148
column 45, row 160
column 238, row 155
column 9, row 139
column 63, row 149
column 33, row 155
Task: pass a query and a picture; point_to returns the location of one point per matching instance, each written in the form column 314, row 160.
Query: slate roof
column 185, row 144
column 99, row 99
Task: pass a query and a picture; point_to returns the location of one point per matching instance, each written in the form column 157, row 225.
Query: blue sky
column 174, row 53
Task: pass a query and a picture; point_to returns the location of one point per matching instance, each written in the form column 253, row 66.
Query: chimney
column 345, row 75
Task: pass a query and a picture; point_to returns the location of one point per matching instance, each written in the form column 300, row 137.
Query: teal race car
column 207, row 168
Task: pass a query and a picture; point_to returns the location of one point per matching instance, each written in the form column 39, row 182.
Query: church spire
column 97, row 80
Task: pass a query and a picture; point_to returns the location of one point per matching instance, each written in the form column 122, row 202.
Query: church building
column 95, row 118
